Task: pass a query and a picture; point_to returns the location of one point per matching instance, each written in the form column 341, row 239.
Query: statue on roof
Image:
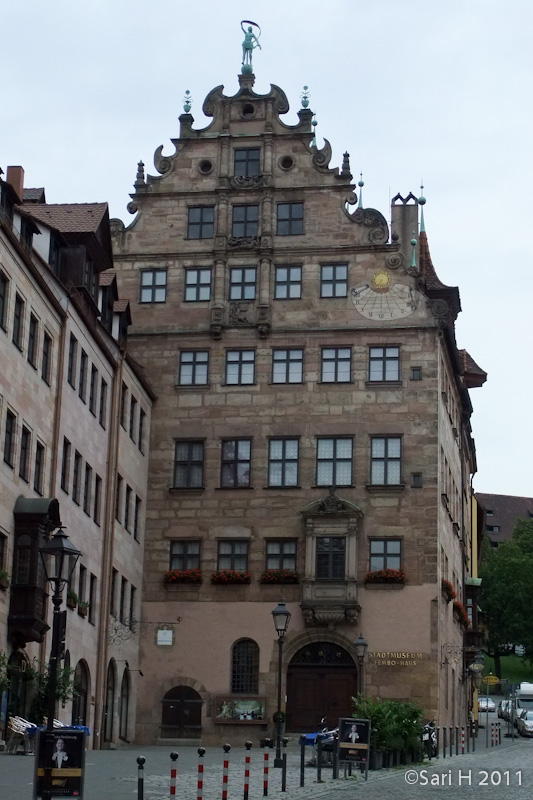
column 251, row 41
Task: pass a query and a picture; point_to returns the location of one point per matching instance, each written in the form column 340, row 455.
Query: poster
column 354, row 739
column 59, row 762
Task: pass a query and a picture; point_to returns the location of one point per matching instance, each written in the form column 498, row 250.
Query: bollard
column 265, row 769
column 173, row 773
column 248, row 746
column 438, row 740
column 451, row 741
column 474, row 736
column 302, row 742
column 335, row 760
column 284, row 742
column 492, row 734
column 500, row 731
column 319, row 758
column 140, row 777
column 463, row 740
column 226, row 748
column 468, row 732
column 444, row 742
column 200, row 790
column 457, row 740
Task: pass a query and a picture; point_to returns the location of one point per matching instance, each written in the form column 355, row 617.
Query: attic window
column 248, row 110
column 205, row 166
column 287, row 162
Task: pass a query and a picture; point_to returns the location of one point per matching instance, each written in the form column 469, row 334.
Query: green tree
column 506, row 597
column 64, row 690
column 4, row 672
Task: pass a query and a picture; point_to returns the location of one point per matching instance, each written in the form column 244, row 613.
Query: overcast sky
column 412, row 89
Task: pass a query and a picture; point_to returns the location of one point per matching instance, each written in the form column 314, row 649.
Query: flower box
column 461, row 614
column 225, row 577
column 72, row 600
column 173, row 576
column 386, row 576
column 83, row 608
column 448, row 592
column 279, row 576
column 4, row 581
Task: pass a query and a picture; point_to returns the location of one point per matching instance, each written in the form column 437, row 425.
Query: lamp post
column 59, row 557
column 281, row 617
column 360, row 646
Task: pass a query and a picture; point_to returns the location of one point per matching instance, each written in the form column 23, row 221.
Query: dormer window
column 26, row 232
column 246, row 163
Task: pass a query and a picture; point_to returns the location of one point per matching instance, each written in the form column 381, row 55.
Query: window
column 82, row 577
column 242, row 283
column 290, row 219
column 140, row 438
column 281, row 554
column 92, row 599
column 247, row 162
column 76, row 478
column 92, row 390
column 287, row 366
column 283, row 462
column 493, row 528
column 118, row 498
column 137, row 518
column 386, row 460
column 336, row 364
column 127, row 508
column 133, row 416
column 288, row 283
column 245, row 667
column 197, row 285
column 18, row 321
column 24, row 461
column 113, row 597
column 4, row 288
column 72, row 360
column 334, row 280
column 65, row 465
column 236, row 463
column 9, row 438
column 385, row 554
column 33, row 334
column 97, row 499
column 185, row 555
column 122, row 608
column 245, row 221
column 330, row 557
column 201, row 222
column 131, row 619
column 233, row 554
column 123, row 404
column 384, row 364
column 240, row 367
column 153, row 286
column 334, row 462
column 38, row 472
column 82, row 387
column 194, row 365
column 103, row 404
column 46, row 361
column 416, row 373
column 87, row 486
column 189, row 465
column 416, row 480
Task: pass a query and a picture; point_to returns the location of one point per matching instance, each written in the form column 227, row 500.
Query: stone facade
column 312, row 412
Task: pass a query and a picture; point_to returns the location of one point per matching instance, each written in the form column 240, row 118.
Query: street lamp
column 360, row 646
column 281, row 617
column 59, row 560
column 476, row 668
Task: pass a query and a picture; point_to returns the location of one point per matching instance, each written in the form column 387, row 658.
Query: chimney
column 15, row 177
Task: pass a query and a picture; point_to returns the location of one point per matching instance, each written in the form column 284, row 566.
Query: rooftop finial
column 422, row 202
column 345, row 172
column 360, row 183
column 305, row 97
column 414, row 243
column 187, row 101
column 139, row 178
column 251, row 41
column 314, row 123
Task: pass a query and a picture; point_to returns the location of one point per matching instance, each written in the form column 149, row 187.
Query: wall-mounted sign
column 395, row 659
column 164, row 637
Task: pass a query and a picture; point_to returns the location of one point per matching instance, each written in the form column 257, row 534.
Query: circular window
column 205, row 166
column 286, row 162
column 248, row 110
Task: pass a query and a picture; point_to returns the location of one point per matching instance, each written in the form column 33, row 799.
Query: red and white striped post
column 265, row 769
column 248, row 746
column 462, row 741
column 173, row 774
column 226, row 748
column 200, row 790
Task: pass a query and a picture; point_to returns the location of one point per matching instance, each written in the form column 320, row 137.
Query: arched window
column 18, row 699
column 245, row 667
column 124, row 705
column 109, row 703
column 81, row 692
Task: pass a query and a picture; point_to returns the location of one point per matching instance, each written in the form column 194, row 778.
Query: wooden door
column 316, row 692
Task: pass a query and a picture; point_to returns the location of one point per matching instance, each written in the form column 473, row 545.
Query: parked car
column 504, row 709
column 524, row 723
column 486, row 704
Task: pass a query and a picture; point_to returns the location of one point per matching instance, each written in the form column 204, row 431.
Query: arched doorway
column 181, row 714
column 321, row 681
column 109, row 711
column 18, row 697
column 124, row 705
column 81, row 693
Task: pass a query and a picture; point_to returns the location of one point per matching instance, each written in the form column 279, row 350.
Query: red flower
column 448, row 590
column 182, row 576
column 279, row 576
column 225, row 576
column 386, row 576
